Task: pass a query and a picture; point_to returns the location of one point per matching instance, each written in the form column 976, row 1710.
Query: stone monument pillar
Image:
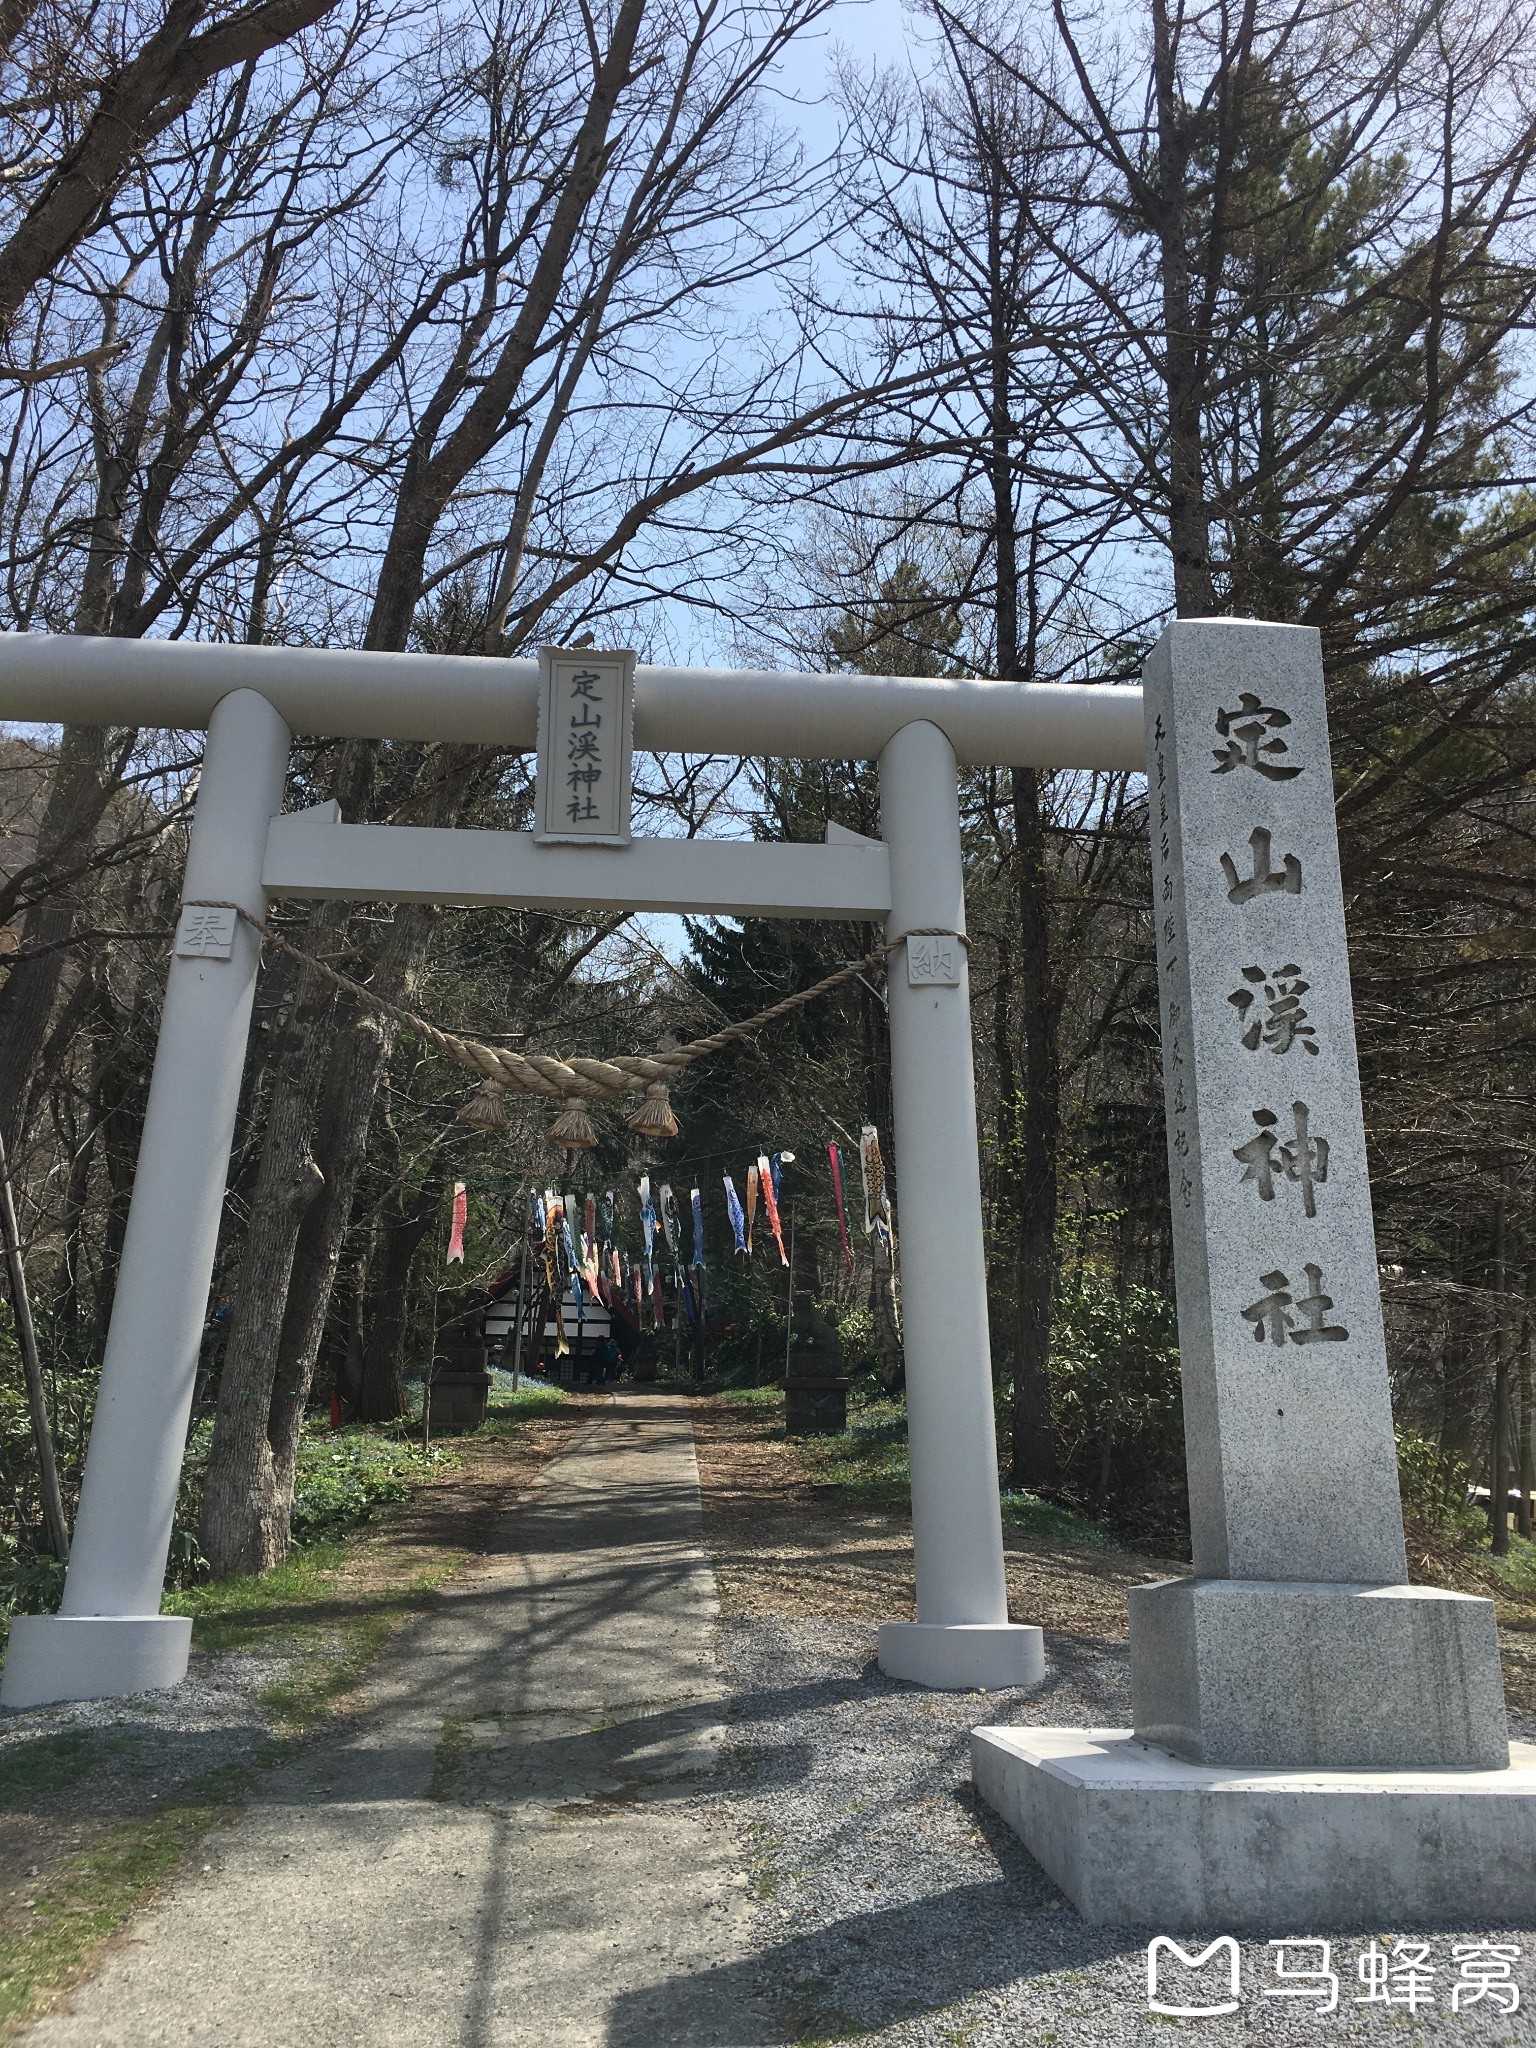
column 1298, row 1640
column 1314, row 1739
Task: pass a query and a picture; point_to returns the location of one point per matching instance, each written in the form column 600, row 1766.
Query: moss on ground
column 53, row 1762
column 320, row 1608
column 91, row 1896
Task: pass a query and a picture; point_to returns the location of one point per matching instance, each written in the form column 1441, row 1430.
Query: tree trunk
column 349, row 1375
column 1033, row 1204
column 1498, row 1460
column 1189, row 538
column 1527, row 1416
column 1034, row 1459
column 382, row 1396
column 69, row 1278
column 26, row 1339
column 352, row 1084
column 82, row 786
column 347, row 1097
column 244, row 1526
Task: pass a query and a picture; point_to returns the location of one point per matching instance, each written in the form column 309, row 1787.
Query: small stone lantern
column 460, row 1380
column 815, row 1386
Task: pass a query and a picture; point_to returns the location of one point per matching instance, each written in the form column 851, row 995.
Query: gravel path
column 893, row 1908
column 218, row 1707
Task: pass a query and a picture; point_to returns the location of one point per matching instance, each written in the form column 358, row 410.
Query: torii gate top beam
column 481, row 699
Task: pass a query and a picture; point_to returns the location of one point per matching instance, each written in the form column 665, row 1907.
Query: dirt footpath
column 784, row 1546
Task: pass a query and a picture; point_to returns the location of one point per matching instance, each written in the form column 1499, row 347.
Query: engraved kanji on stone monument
column 1251, row 735
column 1270, row 1160
column 1286, row 877
column 586, row 744
column 1288, row 1423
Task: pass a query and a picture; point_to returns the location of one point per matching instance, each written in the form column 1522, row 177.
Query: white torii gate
column 110, row 1637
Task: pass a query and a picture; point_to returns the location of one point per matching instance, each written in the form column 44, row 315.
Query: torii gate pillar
column 962, row 1635
column 110, row 1636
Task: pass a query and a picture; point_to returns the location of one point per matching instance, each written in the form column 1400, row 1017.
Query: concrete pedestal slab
column 960, row 1657
column 1139, row 1838
column 92, row 1656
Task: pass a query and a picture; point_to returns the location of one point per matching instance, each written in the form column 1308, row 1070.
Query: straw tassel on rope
column 654, row 1117
column 573, row 1129
column 486, row 1109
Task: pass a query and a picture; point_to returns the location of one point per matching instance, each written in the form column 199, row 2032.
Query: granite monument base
column 1138, row 1838
column 1304, row 1676
column 815, row 1407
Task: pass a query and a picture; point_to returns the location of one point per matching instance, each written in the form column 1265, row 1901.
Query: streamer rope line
column 594, row 1080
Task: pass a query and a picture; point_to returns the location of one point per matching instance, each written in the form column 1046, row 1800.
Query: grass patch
column 1044, row 1518
column 51, row 1762
column 330, row 1608
column 526, row 1405
column 344, row 1476
column 313, row 1604
column 95, row 1895
column 752, row 1397
column 870, row 1461
column 1518, row 1570
column 326, row 1671
column 242, row 1614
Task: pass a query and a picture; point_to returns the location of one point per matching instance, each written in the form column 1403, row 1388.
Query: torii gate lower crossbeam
column 110, row 1637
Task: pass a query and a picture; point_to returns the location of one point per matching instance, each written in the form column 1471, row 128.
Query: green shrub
column 1434, row 1482
column 856, row 1330
column 1117, row 1407
column 344, row 1475
column 33, row 1584
column 29, row 1584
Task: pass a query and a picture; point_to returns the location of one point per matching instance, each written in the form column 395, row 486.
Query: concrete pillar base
column 961, row 1656
column 92, row 1656
column 1137, row 1837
